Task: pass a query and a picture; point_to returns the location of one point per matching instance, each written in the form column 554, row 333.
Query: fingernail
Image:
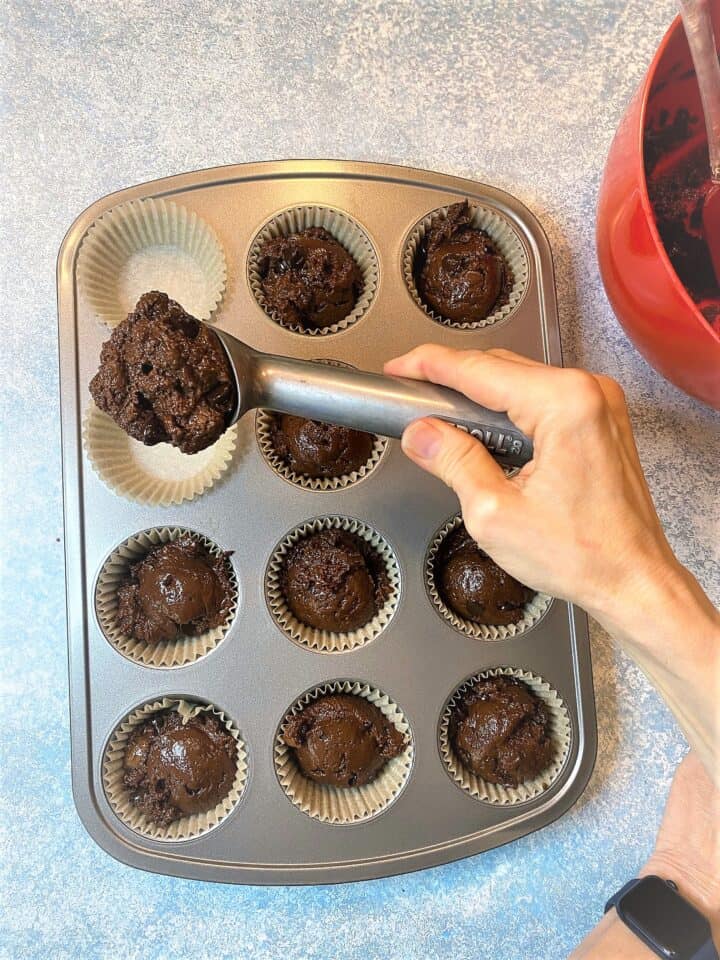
column 422, row 440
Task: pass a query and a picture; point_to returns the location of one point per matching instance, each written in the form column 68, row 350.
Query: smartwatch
column 656, row 913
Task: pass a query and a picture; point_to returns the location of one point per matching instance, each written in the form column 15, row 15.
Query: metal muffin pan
column 257, row 672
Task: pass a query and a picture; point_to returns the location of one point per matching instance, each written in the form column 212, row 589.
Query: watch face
column 674, row 926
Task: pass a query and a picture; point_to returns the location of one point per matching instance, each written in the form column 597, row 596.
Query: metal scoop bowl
column 363, row 401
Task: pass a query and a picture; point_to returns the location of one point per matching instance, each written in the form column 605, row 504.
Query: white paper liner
column 346, row 231
column 329, row 641
column 263, row 431
column 118, row 794
column 560, row 729
column 115, row 571
column 533, row 613
column 147, row 245
column 157, row 476
column 345, row 805
column 506, row 240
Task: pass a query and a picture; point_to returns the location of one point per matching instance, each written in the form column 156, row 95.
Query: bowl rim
column 645, row 91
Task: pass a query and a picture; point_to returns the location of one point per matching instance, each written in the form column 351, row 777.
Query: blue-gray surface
column 97, row 96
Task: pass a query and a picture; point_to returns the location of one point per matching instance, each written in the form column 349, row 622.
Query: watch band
column 626, row 888
column 705, row 951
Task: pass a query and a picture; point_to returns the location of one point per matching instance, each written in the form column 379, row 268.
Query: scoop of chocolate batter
column 164, row 377
column 501, row 731
column 459, row 272
column 334, row 580
column 177, row 589
column 317, row 449
column 342, row 740
column 474, row 586
column 309, row 278
column 174, row 768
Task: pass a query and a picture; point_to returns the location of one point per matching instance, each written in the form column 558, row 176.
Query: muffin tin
column 257, row 673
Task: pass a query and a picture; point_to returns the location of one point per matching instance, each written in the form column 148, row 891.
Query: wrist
column 657, row 607
column 612, row 940
column 693, row 885
column 672, row 632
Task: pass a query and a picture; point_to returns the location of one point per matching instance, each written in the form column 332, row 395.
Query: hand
column 578, row 521
column 687, row 849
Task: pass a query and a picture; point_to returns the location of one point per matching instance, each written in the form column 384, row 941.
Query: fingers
column 456, row 458
column 533, row 394
column 498, row 379
column 464, row 370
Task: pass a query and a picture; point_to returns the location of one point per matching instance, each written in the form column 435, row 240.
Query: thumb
column 453, row 456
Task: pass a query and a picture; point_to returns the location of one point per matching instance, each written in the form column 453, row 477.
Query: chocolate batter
column 459, row 272
column 174, row 769
column 474, row 586
column 677, row 199
column 164, row 377
column 316, row 449
column 309, row 279
column 500, row 731
column 342, row 740
column 334, row 580
column 177, row 589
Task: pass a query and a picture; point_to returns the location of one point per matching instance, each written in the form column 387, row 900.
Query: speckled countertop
column 526, row 96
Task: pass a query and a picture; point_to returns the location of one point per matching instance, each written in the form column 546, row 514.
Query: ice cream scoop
column 363, row 401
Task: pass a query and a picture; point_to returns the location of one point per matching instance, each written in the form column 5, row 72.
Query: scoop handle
column 378, row 404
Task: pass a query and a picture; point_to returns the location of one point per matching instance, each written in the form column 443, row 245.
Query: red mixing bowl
column 649, row 300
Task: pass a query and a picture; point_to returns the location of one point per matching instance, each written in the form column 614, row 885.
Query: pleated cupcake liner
column 115, row 571
column 329, row 641
column 160, row 475
column 147, row 245
column 348, row 234
column 533, row 612
column 508, row 243
column 264, row 432
column 344, row 805
column 118, row 795
column 560, row 732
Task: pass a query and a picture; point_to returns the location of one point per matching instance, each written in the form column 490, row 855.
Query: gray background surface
column 525, row 96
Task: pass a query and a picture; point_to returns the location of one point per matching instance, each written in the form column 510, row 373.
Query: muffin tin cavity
column 329, row 641
column 344, row 805
column 118, row 795
column 346, row 231
column 151, row 244
column 508, row 243
column 265, row 421
column 114, row 572
column 560, row 732
column 157, row 476
column 533, row 611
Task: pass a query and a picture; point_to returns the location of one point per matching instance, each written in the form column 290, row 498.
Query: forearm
column 669, row 627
